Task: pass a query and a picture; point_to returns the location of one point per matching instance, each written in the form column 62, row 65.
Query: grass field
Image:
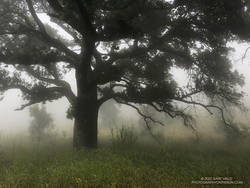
column 113, row 164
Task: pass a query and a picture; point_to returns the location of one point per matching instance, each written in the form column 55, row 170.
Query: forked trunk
column 86, row 117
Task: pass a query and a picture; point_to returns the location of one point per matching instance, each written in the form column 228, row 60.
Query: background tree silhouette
column 127, row 51
column 41, row 124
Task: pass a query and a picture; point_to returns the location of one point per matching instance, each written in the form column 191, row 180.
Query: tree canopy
column 126, row 48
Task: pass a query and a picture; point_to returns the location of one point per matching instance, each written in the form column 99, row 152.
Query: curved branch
column 49, row 94
column 45, row 36
column 34, row 15
column 146, row 118
column 37, row 93
column 66, row 88
column 208, row 109
column 59, row 45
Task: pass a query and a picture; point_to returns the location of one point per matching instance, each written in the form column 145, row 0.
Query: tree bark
column 86, row 118
column 86, row 107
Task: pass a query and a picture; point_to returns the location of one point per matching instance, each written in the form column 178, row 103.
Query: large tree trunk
column 86, row 117
column 86, row 107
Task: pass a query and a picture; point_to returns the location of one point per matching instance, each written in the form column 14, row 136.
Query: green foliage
column 41, row 124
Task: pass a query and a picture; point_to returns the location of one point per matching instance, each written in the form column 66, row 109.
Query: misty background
column 112, row 115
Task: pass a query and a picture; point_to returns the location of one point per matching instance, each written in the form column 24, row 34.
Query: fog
column 112, row 115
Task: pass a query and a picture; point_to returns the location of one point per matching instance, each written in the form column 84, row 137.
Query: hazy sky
column 19, row 120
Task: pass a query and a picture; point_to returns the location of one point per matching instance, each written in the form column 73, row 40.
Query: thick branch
column 108, row 92
column 49, row 94
column 60, row 46
column 87, row 27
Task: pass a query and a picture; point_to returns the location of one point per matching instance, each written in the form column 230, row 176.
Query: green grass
column 173, row 165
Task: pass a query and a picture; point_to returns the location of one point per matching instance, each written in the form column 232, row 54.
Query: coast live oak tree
column 123, row 50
